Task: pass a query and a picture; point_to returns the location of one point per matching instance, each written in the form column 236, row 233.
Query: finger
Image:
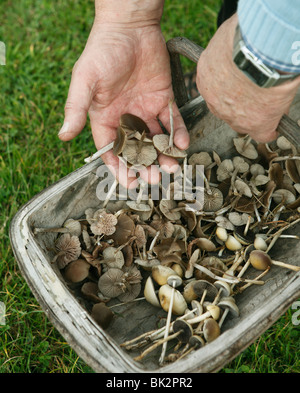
column 181, row 135
column 168, row 164
column 125, row 176
column 76, row 107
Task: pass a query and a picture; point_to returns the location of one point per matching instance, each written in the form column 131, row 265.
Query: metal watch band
column 254, row 68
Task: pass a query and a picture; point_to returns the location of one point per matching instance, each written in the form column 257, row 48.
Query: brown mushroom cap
column 102, row 315
column 246, row 149
column 130, row 122
column 161, row 143
column 186, row 330
column 120, row 141
column 139, row 153
column 167, row 207
column 68, row 249
column 205, row 287
column 213, row 200
column 211, row 329
column 111, row 283
column 77, row 271
column 260, row 260
column 103, row 223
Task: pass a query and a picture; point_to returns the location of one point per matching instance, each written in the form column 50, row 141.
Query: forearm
column 271, row 30
column 129, row 11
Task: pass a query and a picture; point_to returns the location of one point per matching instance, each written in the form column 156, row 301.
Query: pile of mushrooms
column 189, row 262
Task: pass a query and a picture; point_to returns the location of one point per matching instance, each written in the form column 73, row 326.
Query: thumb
column 76, row 107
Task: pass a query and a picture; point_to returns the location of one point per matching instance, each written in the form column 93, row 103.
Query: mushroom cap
column 102, row 315
column 214, row 311
column 222, row 233
column 198, row 306
column 90, row 291
column 202, row 285
column 74, row 226
column 174, row 281
column 225, row 170
column 243, row 188
column 120, row 141
column 161, row 273
column 240, row 164
column 68, row 249
column 166, row 206
column 150, row 294
column 186, row 328
column 211, row 330
column 130, row 122
column 283, row 143
column 245, row 149
column 260, row 243
column 179, row 303
column 139, row 153
column 233, row 244
column 188, row 292
column 224, row 287
column 196, row 341
column 283, row 195
column 260, row 260
column 161, row 143
column 111, row 283
column 103, row 223
column 213, row 200
column 229, row 302
column 202, row 158
column 113, row 257
column 77, row 271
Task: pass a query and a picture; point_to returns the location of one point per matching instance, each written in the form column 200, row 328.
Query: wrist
column 135, row 13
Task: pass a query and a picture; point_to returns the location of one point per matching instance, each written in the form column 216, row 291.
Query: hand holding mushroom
column 123, row 70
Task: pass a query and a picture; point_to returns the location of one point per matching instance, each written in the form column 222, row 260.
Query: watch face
column 250, row 70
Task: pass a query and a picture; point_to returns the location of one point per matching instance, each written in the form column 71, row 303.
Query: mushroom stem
column 241, row 289
column 154, row 334
column 276, row 235
column 233, row 280
column 156, row 345
column 164, row 348
column 110, row 192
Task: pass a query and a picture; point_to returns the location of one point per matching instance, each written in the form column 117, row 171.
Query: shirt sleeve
column 271, row 30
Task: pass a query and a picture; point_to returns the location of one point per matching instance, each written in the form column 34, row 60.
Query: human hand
column 231, row 96
column 123, row 69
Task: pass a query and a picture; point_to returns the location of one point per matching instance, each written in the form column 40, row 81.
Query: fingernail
column 64, row 128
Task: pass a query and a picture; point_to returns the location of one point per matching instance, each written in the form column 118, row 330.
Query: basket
column 260, row 306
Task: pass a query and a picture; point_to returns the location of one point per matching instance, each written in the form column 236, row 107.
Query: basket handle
column 182, row 46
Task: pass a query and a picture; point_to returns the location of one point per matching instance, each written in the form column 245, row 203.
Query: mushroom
column 113, row 258
column 150, row 294
column 139, row 152
column 102, row 315
column 213, row 199
column 211, row 330
column 205, row 290
column 169, row 209
column 225, row 170
column 181, row 329
column 260, row 260
column 103, row 223
column 161, row 274
column 120, row 141
column 245, row 147
column 111, row 284
column 77, row 271
column 165, row 296
column 164, row 143
column 68, row 249
column 229, row 306
column 173, row 281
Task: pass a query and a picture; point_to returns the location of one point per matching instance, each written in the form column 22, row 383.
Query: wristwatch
column 253, row 67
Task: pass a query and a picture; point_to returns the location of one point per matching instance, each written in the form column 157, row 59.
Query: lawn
column 43, row 40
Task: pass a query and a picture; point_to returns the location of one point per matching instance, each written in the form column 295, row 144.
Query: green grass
column 43, row 40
